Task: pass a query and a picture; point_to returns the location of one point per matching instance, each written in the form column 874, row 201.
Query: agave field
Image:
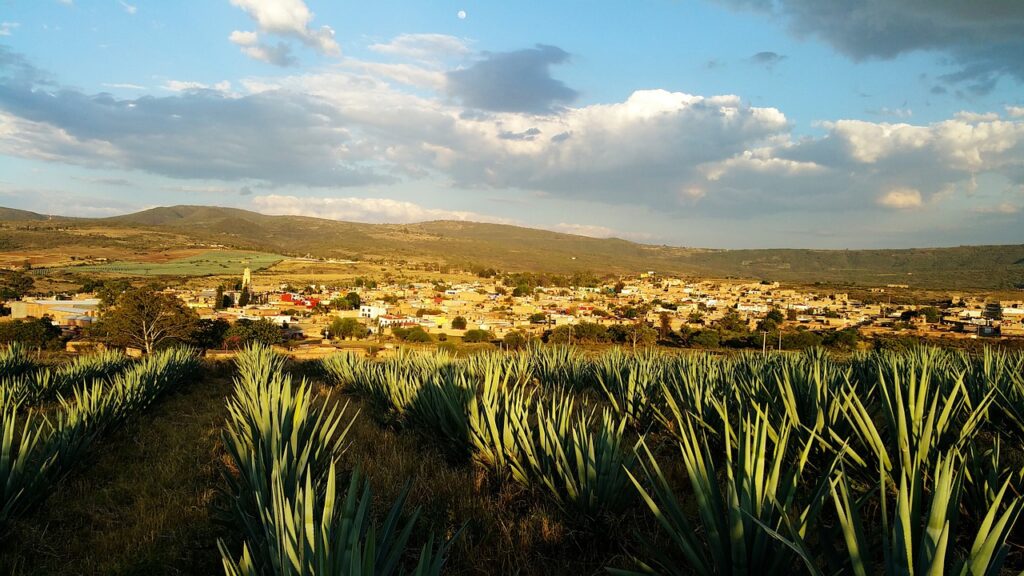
column 645, row 462
column 881, row 463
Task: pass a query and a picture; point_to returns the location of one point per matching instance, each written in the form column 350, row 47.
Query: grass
column 213, row 262
column 143, row 506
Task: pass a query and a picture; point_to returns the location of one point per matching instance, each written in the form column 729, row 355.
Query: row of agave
column 34, row 386
column 37, row 450
column 790, row 457
column 282, row 486
column 483, row 408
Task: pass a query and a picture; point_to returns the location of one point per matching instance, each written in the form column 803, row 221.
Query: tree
column 695, row 317
column 705, row 339
column 845, row 339
column 414, row 334
column 538, row 318
column 247, row 331
column 459, row 323
column 931, row 314
column 475, row 336
column 348, row 328
column 14, row 285
column 664, row 325
column 244, row 297
column 38, row 333
column 515, row 340
column 210, row 333
column 145, row 319
column 218, row 298
column 619, row 287
column 775, row 315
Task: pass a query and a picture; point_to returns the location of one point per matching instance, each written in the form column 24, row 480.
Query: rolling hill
column 514, row 248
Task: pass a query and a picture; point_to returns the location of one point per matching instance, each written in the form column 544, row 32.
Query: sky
column 704, row 123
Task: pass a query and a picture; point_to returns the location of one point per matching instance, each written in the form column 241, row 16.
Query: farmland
column 205, row 263
column 546, row 461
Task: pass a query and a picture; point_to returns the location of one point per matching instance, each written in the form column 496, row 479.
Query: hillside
column 511, row 248
column 15, row 215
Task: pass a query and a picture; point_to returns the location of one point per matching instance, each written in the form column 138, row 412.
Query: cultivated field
column 205, row 263
column 550, row 461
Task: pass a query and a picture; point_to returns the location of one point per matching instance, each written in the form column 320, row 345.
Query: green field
column 212, row 263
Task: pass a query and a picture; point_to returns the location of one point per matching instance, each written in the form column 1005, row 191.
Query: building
column 63, row 312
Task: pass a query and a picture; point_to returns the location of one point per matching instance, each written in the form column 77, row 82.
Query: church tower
column 246, row 279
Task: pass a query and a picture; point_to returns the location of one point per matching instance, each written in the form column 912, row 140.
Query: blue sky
column 719, row 123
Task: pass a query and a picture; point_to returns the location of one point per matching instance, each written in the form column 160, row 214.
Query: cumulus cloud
column 299, row 139
column 374, row 210
column 285, row 18
column 279, row 54
column 517, row 81
column 6, row 28
column 983, row 37
column 901, row 199
column 674, row 153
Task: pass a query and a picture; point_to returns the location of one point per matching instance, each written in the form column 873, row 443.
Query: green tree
column 515, row 340
column 37, row 333
column 459, row 323
column 775, row 315
column 345, row 328
column 218, row 298
column 15, row 284
column 145, row 319
column 931, row 314
column 475, row 336
column 664, row 325
column 413, row 334
column 244, row 297
column 705, row 339
column 262, row 331
column 210, row 333
column 695, row 317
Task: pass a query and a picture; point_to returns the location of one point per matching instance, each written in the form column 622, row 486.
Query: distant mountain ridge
column 515, row 248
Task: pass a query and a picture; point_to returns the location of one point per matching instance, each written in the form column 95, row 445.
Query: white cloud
column 186, row 86
column 129, row 8
column 279, row 54
column 423, row 47
column 6, row 28
column 1003, row 208
column 1015, row 111
column 590, row 230
column 901, row 199
column 123, row 86
column 375, row 210
column 290, row 18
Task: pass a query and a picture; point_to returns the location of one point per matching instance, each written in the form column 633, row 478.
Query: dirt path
column 142, row 506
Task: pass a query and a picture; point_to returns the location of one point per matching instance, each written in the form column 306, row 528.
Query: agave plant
column 14, row 360
column 325, row 534
column 761, row 493
column 917, row 531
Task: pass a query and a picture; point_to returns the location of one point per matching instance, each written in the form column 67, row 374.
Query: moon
column 461, row 14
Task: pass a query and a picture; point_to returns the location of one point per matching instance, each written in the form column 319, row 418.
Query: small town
column 640, row 310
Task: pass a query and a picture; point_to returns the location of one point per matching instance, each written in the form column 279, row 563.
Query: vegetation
column 147, row 320
column 210, row 263
column 513, row 249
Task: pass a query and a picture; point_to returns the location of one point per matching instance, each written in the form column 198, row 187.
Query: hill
column 15, row 215
column 512, row 248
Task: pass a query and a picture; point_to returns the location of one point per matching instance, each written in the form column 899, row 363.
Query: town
column 512, row 310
